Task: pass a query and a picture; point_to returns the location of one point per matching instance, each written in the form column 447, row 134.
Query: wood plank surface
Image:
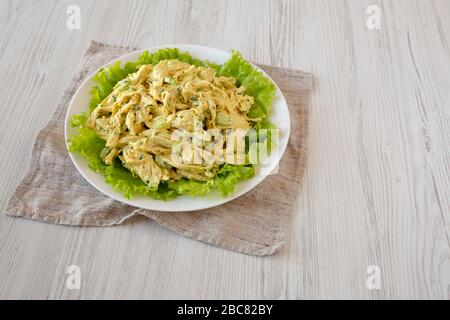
column 377, row 185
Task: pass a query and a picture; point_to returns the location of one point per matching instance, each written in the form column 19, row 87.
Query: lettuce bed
column 89, row 145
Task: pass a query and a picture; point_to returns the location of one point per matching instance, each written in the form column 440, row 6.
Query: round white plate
column 279, row 117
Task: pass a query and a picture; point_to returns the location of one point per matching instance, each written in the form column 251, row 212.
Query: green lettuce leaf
column 89, row 145
column 191, row 187
column 225, row 181
column 256, row 85
column 122, row 179
column 229, row 175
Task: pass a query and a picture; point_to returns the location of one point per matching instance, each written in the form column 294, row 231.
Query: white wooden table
column 377, row 186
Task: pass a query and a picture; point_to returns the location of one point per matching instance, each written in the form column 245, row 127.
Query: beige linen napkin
column 256, row 223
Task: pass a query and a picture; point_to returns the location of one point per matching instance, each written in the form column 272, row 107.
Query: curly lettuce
column 89, row 145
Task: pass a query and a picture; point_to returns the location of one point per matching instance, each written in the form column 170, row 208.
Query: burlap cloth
column 256, row 223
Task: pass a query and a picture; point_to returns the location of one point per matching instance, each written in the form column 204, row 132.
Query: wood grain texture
column 377, row 185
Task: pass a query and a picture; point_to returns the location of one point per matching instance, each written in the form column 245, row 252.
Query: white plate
column 279, row 117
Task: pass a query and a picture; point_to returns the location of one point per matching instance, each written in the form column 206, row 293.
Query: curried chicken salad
column 143, row 107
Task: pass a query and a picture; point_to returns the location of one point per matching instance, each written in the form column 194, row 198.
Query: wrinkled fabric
column 256, row 223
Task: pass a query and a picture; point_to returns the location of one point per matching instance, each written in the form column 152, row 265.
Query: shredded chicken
column 138, row 118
